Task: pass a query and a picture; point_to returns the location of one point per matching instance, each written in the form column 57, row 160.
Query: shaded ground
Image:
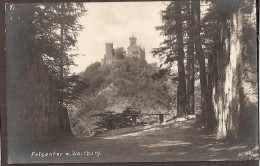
column 176, row 141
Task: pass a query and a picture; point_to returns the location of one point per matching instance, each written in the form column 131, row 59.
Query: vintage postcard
column 153, row 81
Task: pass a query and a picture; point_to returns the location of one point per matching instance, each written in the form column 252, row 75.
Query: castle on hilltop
column 132, row 51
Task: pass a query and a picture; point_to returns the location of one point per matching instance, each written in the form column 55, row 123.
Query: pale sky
column 115, row 22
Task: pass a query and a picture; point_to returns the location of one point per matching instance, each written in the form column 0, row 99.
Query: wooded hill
column 126, row 82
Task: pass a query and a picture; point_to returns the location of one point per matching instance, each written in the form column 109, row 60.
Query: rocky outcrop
column 33, row 108
column 33, row 111
column 234, row 100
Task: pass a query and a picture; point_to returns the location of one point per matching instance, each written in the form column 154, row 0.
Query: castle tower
column 134, row 50
column 109, row 56
column 109, row 50
column 132, row 40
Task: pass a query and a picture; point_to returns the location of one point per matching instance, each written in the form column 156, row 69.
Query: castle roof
column 130, row 45
column 136, row 45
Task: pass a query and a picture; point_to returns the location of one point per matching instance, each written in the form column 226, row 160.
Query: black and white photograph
column 140, row 81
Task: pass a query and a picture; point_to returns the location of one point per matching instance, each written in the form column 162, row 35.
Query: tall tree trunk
column 178, row 99
column 190, row 59
column 62, row 52
column 181, row 71
column 205, row 101
column 65, row 118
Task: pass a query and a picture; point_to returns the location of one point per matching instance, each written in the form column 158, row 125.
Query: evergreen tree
column 120, row 53
column 205, row 102
column 56, row 29
column 172, row 48
column 190, row 58
column 180, row 59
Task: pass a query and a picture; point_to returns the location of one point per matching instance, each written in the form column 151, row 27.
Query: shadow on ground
column 174, row 141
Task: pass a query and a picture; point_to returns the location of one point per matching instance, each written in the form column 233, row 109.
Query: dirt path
column 168, row 142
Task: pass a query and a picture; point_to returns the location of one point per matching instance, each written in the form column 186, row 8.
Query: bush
column 129, row 110
column 111, row 120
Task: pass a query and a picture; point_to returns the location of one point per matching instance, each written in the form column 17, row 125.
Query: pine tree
column 190, row 58
column 206, row 109
column 57, row 27
column 171, row 50
column 180, row 59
